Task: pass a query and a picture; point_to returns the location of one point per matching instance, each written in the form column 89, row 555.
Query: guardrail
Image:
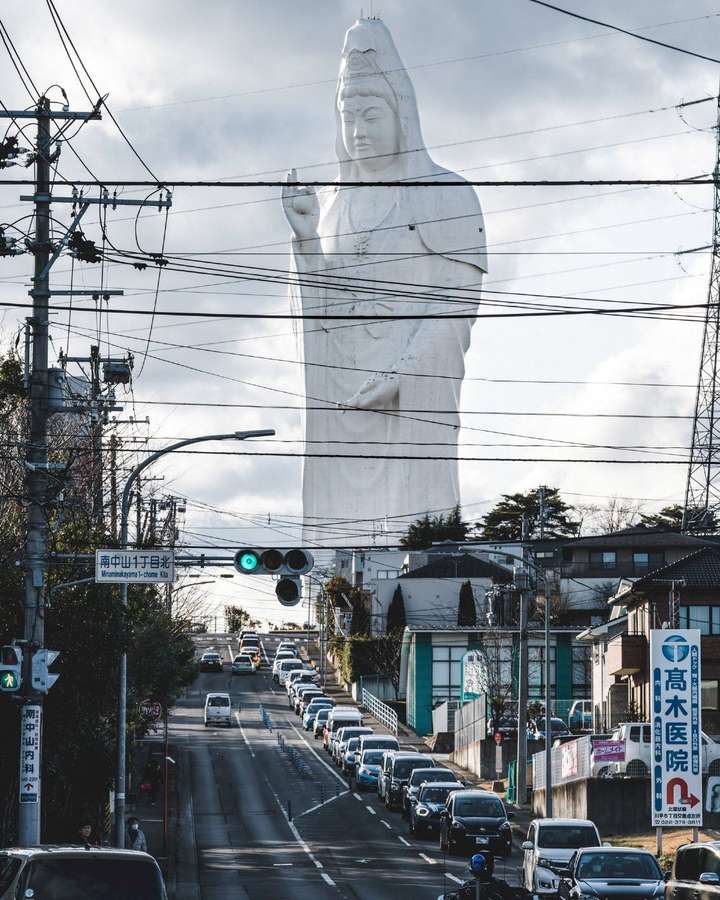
column 382, row 712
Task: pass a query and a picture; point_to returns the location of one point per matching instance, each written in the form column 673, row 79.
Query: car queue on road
column 559, row 858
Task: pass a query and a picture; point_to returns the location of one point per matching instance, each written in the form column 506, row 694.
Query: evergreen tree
column 426, row 531
column 504, row 521
column 467, row 614
column 396, row 619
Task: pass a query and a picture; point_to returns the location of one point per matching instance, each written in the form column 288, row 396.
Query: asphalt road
column 242, row 785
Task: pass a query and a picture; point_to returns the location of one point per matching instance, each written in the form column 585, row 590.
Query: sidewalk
column 141, row 805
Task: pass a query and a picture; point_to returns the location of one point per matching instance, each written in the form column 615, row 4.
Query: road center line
column 318, row 805
column 386, row 824
column 403, row 841
column 454, row 878
column 371, row 810
column 327, row 878
column 357, row 797
column 428, row 859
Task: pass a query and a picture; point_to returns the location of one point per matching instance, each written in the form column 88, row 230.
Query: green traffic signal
column 248, row 561
column 8, row 681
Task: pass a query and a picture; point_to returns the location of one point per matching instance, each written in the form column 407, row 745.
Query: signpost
column 149, row 566
column 30, row 729
column 151, row 709
column 676, row 751
column 473, row 676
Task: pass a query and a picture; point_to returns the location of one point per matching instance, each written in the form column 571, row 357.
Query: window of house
column 446, row 671
column 641, row 561
column 581, row 672
column 706, row 618
column 544, row 554
column 567, row 555
column 536, row 671
column 709, row 694
column 603, row 559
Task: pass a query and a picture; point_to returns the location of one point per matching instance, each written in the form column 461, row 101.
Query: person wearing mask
column 136, row 836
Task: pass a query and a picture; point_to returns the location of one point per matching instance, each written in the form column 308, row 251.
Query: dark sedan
column 431, row 800
column 211, row 662
column 473, row 821
column 612, row 872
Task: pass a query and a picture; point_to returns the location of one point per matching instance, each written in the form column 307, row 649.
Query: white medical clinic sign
column 676, row 762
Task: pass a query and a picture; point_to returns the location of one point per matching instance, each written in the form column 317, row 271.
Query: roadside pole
column 521, row 583
column 548, row 713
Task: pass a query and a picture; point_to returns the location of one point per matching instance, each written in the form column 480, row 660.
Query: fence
column 570, row 762
column 470, row 723
column 443, row 716
column 382, row 712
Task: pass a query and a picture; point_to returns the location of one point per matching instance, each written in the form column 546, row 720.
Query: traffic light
column 289, row 565
column 42, row 680
column 10, row 669
column 253, row 561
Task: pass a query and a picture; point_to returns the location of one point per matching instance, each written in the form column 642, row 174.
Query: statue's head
column 368, row 110
column 376, row 111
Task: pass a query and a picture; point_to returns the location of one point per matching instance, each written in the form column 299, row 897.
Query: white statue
column 378, row 251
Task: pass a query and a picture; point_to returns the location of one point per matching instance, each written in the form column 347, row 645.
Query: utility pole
column 113, row 486
column 45, row 252
column 522, row 584
column 548, row 711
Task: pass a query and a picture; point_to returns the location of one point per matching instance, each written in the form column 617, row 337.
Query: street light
column 122, row 677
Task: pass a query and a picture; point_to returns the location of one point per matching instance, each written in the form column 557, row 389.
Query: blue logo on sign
column 675, row 648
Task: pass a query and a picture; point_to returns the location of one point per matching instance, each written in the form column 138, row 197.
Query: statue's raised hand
column 302, row 209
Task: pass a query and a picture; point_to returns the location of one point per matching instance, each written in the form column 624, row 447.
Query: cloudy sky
column 505, row 91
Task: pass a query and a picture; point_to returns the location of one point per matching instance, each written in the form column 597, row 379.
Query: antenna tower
column 702, row 493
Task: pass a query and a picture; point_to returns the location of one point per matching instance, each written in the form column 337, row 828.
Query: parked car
column 636, row 737
column 348, row 763
column 343, row 736
column 283, row 667
column 339, row 718
column 613, row 873
column 317, row 703
column 306, row 698
column 401, row 768
column 309, row 676
column 385, row 770
column 431, row 801
column 211, row 662
column 248, row 635
column 320, row 721
column 418, row 777
column 300, row 690
column 475, row 820
column 548, row 847
column 580, row 717
column 378, row 742
column 289, row 647
column 218, row 708
column 538, row 727
column 695, row 873
column 95, row 874
column 243, row 664
column 506, row 726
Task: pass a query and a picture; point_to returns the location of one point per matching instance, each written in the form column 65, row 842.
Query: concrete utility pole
column 548, row 711
column 522, row 584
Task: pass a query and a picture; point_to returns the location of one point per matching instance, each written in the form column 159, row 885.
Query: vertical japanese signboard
column 676, row 751
column 30, row 731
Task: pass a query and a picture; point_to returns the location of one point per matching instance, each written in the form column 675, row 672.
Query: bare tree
column 496, row 657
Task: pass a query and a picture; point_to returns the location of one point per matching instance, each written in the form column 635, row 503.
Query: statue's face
column 370, row 131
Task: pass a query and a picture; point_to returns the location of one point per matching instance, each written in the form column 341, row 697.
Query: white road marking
column 244, row 736
column 428, row 859
column 357, row 797
column 318, row 805
column 454, row 878
column 317, row 756
column 386, row 824
column 327, row 878
column 262, row 647
column 279, row 865
column 371, row 810
column 403, row 841
column 230, row 653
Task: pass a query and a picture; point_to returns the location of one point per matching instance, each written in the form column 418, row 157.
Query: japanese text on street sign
column 149, row 566
column 676, row 750
column 608, row 751
column 473, row 674
column 30, row 728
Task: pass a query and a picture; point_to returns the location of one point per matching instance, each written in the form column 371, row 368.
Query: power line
column 558, row 182
column 634, row 34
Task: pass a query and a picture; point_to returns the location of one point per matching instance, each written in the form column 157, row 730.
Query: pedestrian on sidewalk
column 136, row 836
column 85, row 834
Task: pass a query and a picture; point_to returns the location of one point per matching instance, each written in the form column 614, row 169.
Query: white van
column 218, row 708
column 339, row 718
